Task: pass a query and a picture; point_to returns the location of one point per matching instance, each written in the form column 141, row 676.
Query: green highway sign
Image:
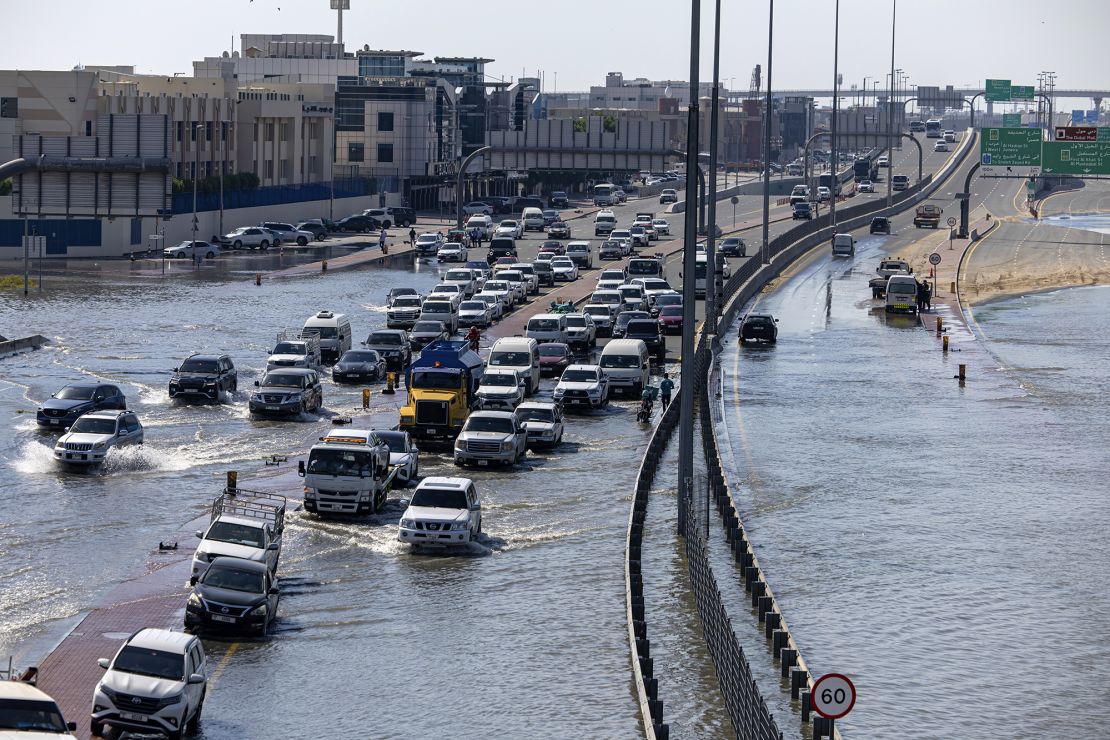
column 1010, row 147
column 1076, row 158
column 1011, row 120
column 997, row 91
column 1103, row 133
column 1021, row 92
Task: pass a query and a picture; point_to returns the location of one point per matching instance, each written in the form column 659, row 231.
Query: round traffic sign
column 734, row 200
column 951, row 220
column 833, row 696
column 934, row 259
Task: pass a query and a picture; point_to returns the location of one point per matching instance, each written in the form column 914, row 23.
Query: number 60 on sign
column 833, row 696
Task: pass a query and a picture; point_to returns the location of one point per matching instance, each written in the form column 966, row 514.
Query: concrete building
column 639, row 94
column 286, row 132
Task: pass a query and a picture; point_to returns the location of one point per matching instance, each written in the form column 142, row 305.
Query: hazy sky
column 939, row 41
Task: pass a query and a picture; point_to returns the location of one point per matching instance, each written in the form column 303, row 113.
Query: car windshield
column 545, row 415
column 435, row 307
column 730, row 242
column 234, row 579
column 631, row 292
column 620, row 360
column 149, row 662
column 237, row 534
column 325, row 332
column 627, row 316
column 426, row 326
column 359, row 355
column 434, row 380
column 281, row 380
column 385, row 338
column 22, row 715
column 447, row 289
column 586, row 376
column 508, row 224
column 76, row 392
column 487, row 299
column 671, row 311
column 394, row 440
column 458, row 275
column 543, row 324
column 497, row 285
column 331, row 461
column 289, row 348
column 898, row 288
column 397, row 292
column 576, row 321
column 438, row 498
column 425, row 238
column 499, row 379
column 510, row 359
column 669, row 300
column 758, row 320
column 86, row 425
column 597, row 310
column 641, row 326
column 562, row 262
column 553, row 350
column 407, row 302
column 656, row 284
column 542, row 267
column 472, row 306
column 495, row 424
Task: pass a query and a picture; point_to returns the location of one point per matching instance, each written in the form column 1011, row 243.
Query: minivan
column 547, row 327
column 582, row 254
column 843, row 245
column 625, row 363
column 899, row 182
column 604, row 223
column 533, row 219
column 901, row 293
column 521, row 354
column 335, row 334
column 444, row 310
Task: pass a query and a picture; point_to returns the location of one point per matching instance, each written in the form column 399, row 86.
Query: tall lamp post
column 689, row 251
column 711, row 296
column 833, row 159
column 765, row 255
column 196, row 174
column 890, row 116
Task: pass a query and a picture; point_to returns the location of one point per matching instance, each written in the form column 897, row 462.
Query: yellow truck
column 443, row 387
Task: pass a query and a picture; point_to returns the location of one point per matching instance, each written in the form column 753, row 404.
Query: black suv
column 501, row 247
column 392, row 345
column 403, row 216
column 63, row 408
column 759, row 327
column 357, row 223
column 733, row 246
column 650, row 333
column 233, row 595
column 880, row 225
column 204, row 378
column 559, row 199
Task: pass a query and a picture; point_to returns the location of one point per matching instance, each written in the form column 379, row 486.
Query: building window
column 269, row 171
column 88, row 128
column 372, row 66
column 192, row 132
column 208, row 128
column 355, row 152
column 9, row 107
column 285, row 132
column 385, row 153
column 286, row 169
column 385, row 121
column 350, row 114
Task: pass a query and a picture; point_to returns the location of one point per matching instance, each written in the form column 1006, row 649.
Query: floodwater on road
column 944, row 546
column 521, row 635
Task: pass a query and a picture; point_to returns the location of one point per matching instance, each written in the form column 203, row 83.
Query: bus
column 605, row 194
column 933, row 129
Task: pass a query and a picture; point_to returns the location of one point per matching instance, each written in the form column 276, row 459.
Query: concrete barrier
column 11, row 347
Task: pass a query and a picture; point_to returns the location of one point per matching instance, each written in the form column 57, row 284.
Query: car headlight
column 209, row 382
column 506, row 446
column 261, row 610
column 169, row 701
column 60, row 445
column 193, row 601
column 99, row 445
column 256, row 396
column 408, row 524
column 461, row 525
column 294, row 397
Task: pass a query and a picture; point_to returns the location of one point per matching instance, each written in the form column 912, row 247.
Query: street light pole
column 196, row 174
column 834, row 159
column 689, row 252
column 765, row 252
column 711, row 238
column 890, row 115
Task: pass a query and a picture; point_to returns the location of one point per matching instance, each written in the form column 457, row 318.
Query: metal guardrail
column 745, row 705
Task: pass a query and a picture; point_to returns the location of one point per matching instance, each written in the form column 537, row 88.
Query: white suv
column 27, row 712
column 288, row 233
column 87, row 442
column 583, row 385
column 156, row 683
column 442, row 512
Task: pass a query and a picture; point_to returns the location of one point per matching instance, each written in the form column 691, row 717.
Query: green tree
column 609, row 124
column 580, row 125
column 6, row 186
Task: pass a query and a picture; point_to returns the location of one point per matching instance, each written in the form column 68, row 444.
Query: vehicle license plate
column 133, row 717
column 54, row 421
column 222, row 618
column 271, row 408
column 483, row 462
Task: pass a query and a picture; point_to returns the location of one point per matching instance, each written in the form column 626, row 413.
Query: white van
column 625, row 363
column 605, row 194
column 604, row 223
column 901, row 293
column 532, row 219
column 521, row 354
column 582, row 254
column 547, row 327
column 335, row 334
column 843, row 245
column 482, row 222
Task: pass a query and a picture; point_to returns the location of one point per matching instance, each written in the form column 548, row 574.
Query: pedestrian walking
column 928, row 296
column 920, row 296
column 665, row 388
column 381, row 239
column 412, row 237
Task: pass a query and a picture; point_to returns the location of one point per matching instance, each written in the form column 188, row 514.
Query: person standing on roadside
column 665, row 388
column 412, row 237
column 381, row 239
column 920, row 296
column 928, row 295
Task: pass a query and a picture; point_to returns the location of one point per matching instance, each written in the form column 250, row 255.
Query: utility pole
column 711, row 239
column 835, row 110
column 766, row 256
column 890, row 117
column 196, row 174
column 689, row 251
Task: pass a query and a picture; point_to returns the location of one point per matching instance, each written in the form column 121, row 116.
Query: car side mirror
column 103, row 662
column 176, row 369
column 200, row 534
column 273, row 546
column 197, row 678
column 256, row 384
column 274, row 590
column 300, row 468
column 122, row 433
column 71, row 726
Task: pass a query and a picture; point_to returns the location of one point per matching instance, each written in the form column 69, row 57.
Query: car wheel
column 237, row 245
column 301, row 241
column 304, row 407
column 209, row 256
column 264, row 245
column 386, row 224
column 175, row 734
column 194, row 723
column 96, row 729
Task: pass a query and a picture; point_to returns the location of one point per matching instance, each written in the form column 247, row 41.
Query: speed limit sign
column 833, row 696
column 951, row 220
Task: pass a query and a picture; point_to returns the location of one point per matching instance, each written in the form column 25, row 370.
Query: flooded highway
column 528, row 623
column 943, row 546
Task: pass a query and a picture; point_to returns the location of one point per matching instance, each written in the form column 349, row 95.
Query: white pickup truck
column 295, row 349
column 244, row 524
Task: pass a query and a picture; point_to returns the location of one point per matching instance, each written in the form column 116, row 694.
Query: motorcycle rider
column 647, row 398
column 472, row 336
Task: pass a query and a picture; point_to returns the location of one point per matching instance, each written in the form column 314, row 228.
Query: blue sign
column 1077, row 116
column 1092, row 116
